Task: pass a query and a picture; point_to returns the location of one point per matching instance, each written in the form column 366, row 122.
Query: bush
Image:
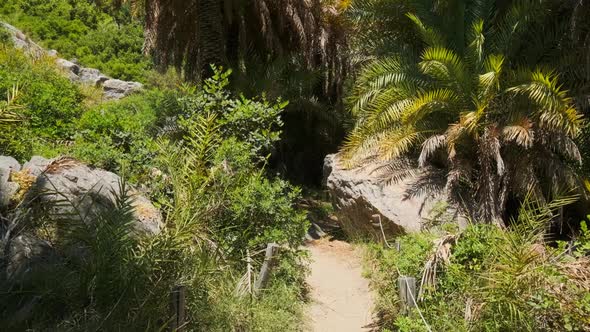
column 255, row 122
column 258, row 210
column 119, row 135
column 50, row 102
column 504, row 280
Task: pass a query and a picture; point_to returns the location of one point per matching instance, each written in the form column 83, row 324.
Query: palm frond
column 430, row 146
column 476, row 46
column 438, row 100
column 555, row 108
column 446, row 66
column 429, row 36
column 520, row 132
column 489, row 81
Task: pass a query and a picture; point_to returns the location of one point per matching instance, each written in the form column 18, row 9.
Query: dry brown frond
column 440, row 257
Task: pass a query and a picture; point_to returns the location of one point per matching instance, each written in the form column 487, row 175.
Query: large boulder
column 25, row 253
column 117, row 89
column 67, row 188
column 364, row 203
column 90, row 190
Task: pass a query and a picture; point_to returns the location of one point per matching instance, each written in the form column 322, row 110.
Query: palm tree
column 192, row 34
column 494, row 130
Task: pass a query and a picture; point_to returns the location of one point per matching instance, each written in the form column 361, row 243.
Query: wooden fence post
column 272, row 249
column 407, row 292
column 178, row 309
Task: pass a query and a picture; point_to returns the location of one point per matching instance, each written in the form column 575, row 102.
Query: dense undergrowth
column 207, row 154
column 487, row 279
column 200, row 154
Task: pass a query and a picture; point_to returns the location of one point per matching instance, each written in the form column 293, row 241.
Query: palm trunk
column 211, row 36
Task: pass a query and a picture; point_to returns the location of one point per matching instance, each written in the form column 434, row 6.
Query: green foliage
column 83, row 30
column 219, row 208
column 495, row 280
column 119, row 135
column 49, row 102
column 251, row 121
column 5, row 38
column 463, row 108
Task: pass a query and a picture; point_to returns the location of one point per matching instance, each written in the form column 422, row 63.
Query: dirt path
column 341, row 300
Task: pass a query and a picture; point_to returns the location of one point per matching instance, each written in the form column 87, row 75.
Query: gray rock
column 91, row 190
column 117, row 89
column 21, row 41
column 7, row 192
column 113, row 88
column 26, row 253
column 362, row 199
column 7, row 189
column 68, row 66
column 37, row 165
column 9, row 163
column 92, row 77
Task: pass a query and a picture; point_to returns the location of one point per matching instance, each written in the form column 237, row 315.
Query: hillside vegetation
column 241, row 103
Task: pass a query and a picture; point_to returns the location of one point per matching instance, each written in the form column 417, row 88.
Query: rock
column 116, row 89
column 68, row 66
column 37, row 165
column 91, row 190
column 361, row 199
column 25, row 253
column 9, row 163
column 92, row 77
column 112, row 88
column 7, row 189
column 20, row 40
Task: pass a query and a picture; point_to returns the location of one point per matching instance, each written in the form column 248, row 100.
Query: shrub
column 118, row 135
column 50, row 102
column 496, row 280
column 255, row 122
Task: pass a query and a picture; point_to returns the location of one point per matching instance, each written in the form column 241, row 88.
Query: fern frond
column 9, row 108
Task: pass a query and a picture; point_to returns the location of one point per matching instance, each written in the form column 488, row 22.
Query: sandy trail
column 341, row 300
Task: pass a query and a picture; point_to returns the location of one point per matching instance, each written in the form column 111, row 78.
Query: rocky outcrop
column 64, row 187
column 363, row 202
column 117, row 89
column 112, row 88
column 26, row 252
column 88, row 190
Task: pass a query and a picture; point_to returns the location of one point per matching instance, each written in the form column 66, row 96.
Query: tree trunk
column 211, row 36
